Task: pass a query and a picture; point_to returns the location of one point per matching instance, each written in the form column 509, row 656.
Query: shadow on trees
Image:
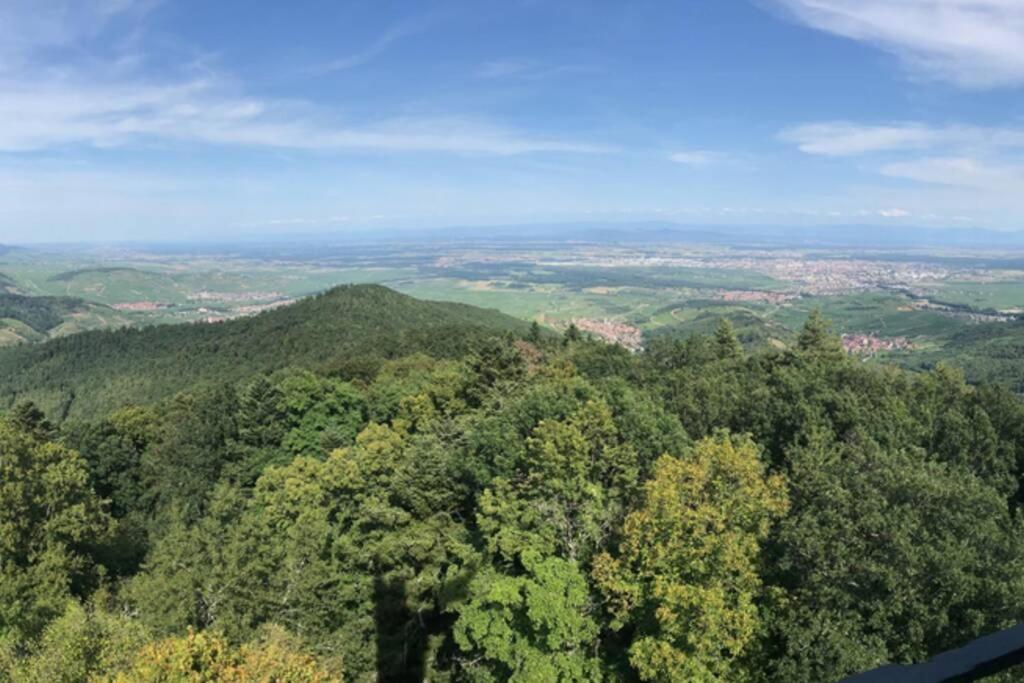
column 401, row 636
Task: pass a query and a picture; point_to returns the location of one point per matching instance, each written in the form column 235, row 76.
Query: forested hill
column 348, row 330
column 39, row 313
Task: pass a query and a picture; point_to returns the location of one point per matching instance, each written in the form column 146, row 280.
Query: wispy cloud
column 44, row 115
column 978, row 158
column 973, row 43
column 372, row 51
column 893, row 213
column 697, row 158
column 528, row 70
column 114, row 102
column 27, row 26
column 960, row 172
column 839, row 138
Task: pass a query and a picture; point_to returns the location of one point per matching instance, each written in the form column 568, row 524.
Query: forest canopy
column 503, row 504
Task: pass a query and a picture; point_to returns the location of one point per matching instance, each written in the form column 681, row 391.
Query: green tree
column 574, row 482
column 816, row 338
column 534, row 627
column 352, row 552
column 534, row 335
column 572, row 334
column 495, row 364
column 113, row 448
column 192, row 446
column 82, row 644
column 50, row 523
column 685, row 579
column 321, row 414
column 727, row 345
column 887, row 557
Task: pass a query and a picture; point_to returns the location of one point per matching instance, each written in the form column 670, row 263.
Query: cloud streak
column 972, row 43
column 697, row 158
column 61, row 113
column 978, row 158
column 27, row 26
column 374, row 50
column 840, row 138
column 960, row 172
column 58, row 105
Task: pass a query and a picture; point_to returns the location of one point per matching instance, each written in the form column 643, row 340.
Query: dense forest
column 454, row 498
column 40, row 313
column 348, row 330
column 989, row 353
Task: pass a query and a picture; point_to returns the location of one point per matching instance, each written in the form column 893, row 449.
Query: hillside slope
column 347, row 330
column 37, row 318
column 987, row 352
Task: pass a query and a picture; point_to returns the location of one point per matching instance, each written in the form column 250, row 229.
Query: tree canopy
column 525, row 508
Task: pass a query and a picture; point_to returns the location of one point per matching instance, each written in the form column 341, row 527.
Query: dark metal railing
column 985, row 656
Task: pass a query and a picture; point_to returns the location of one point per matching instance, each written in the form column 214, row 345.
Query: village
column 869, row 344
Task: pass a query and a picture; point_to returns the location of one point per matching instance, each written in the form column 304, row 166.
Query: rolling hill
column 37, row 318
column 347, row 330
column 988, row 353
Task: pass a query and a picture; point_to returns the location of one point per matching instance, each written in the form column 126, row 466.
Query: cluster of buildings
column 754, row 296
column 140, row 306
column 235, row 297
column 612, row 332
column 869, row 344
column 803, row 272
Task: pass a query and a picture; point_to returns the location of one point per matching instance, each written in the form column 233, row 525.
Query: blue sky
column 188, row 118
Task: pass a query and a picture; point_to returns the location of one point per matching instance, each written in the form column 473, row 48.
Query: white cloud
column 960, row 172
column 37, row 115
column 893, row 213
column 27, row 26
column 839, row 138
column 973, row 43
column 843, row 139
column 696, row 158
column 970, row 157
column 108, row 101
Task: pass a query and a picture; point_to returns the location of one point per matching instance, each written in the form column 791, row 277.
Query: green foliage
column 533, row 627
column 727, row 344
column 506, row 510
column 50, row 520
column 887, row 557
column 349, row 330
column 685, row 579
column 329, row 539
column 816, row 338
column 41, row 313
column 82, row 644
column 572, row 484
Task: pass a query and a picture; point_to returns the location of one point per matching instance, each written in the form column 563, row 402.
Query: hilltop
column 348, row 330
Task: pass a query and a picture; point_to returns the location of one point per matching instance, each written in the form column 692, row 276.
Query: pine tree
column 816, row 337
column 727, row 345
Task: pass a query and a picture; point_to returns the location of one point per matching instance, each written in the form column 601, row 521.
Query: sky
column 185, row 119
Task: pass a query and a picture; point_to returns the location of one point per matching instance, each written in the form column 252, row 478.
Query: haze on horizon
column 178, row 119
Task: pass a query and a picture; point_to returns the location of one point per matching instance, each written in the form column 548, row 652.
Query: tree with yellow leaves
column 685, row 580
